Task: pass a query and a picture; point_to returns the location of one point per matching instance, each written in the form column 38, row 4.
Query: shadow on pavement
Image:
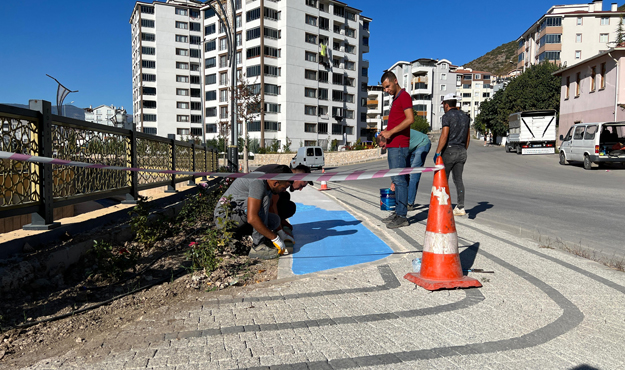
column 467, row 256
column 422, row 215
column 481, row 207
column 319, row 230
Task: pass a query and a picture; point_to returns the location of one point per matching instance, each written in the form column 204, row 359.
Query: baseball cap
column 451, row 96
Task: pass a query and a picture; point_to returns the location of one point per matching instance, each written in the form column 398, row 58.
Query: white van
column 311, row 156
column 593, row 143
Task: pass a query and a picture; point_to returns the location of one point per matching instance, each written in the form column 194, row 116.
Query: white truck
column 532, row 132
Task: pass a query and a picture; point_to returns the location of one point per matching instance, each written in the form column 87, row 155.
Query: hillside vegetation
column 497, row 60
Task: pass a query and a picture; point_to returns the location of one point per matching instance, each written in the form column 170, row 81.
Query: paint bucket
column 387, row 200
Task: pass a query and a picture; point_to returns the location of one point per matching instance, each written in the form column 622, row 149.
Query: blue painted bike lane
column 328, row 237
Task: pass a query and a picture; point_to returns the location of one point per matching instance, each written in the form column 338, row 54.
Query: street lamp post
column 233, row 152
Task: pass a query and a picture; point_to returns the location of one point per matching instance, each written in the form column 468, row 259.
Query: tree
column 535, row 89
column 248, row 107
column 420, row 123
column 620, row 33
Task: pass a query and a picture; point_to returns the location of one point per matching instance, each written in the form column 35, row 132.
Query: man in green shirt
column 419, row 148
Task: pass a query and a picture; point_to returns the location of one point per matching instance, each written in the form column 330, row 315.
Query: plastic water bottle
column 416, row 265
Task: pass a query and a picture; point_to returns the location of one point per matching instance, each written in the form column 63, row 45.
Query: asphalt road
column 534, row 196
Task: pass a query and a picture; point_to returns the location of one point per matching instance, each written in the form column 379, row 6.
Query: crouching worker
column 282, row 205
column 249, row 207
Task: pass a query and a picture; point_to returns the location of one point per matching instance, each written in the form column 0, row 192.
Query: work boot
column 412, row 207
column 399, row 221
column 390, row 218
column 459, row 211
column 263, row 251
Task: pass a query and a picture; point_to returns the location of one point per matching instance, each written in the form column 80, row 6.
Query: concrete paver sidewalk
column 540, row 309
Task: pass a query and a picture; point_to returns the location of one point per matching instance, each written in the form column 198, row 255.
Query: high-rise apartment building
column 427, row 81
column 567, row 34
column 375, row 105
column 303, row 57
column 474, row 87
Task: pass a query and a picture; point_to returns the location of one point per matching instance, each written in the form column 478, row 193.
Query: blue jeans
column 417, row 159
column 400, row 158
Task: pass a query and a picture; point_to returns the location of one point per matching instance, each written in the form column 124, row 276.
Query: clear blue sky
column 86, row 44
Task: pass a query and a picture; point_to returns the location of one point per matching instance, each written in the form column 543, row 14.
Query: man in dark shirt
column 453, row 145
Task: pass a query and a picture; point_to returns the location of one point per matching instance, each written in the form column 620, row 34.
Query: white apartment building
column 427, row 81
column 474, row 87
column 181, row 76
column 108, row 115
column 375, row 105
column 567, row 34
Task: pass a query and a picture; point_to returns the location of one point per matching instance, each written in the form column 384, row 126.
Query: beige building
column 375, row 118
column 567, row 34
column 474, row 87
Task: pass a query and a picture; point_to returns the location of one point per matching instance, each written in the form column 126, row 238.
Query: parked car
column 589, row 143
column 311, row 156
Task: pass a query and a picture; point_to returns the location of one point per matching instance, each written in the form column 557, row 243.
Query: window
column 195, row 53
column 182, row 78
column 182, row 25
column 602, row 83
column 578, row 38
column 211, row 79
column 182, row 92
column 210, row 29
column 181, row 38
column 147, row 23
column 253, row 71
column 350, row 32
column 223, row 96
column 195, row 40
column 182, row 52
column 577, row 82
column 351, row 16
column 271, row 33
column 195, row 26
column 272, row 89
column 253, row 52
column 181, row 11
column 223, row 60
column 443, row 87
column 211, row 95
column 310, row 75
column 211, row 112
column 252, row 34
column 350, row 65
column 272, row 71
column 593, row 78
column 337, row 79
column 239, row 22
column 322, row 128
column 323, row 76
column 223, row 44
column 222, row 27
column 311, row 57
column 549, row 55
column 196, row 131
column 349, row 98
column 310, row 127
column 312, row 3
column 148, row 37
column 365, row 25
column 272, row 14
column 211, row 128
column 591, row 131
column 365, row 41
column 272, row 108
column 323, row 94
column 196, row 106
column 310, row 38
column 443, row 76
column 337, row 95
column 579, row 21
column 149, row 117
column 196, row 93
column 272, row 52
column 209, row 13
column 605, row 21
column 579, row 133
column 365, row 72
column 252, row 15
column 148, row 50
column 147, row 9
column 604, row 38
column 223, row 78
column 324, row 24
column 466, row 95
column 311, row 20
column 182, row 118
column 149, row 104
column 567, row 88
column 148, row 64
column 551, row 22
column 337, row 129
column 310, row 93
column 149, row 90
column 339, row 11
column 578, row 54
column 148, row 77
column 211, row 62
column 210, row 45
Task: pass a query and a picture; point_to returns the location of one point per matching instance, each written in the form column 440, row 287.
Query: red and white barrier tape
column 328, row 176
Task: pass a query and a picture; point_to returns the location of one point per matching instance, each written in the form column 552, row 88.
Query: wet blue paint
column 332, row 239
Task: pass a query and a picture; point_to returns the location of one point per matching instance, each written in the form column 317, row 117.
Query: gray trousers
column 454, row 158
column 238, row 214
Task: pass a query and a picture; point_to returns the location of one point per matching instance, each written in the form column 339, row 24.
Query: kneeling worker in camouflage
column 249, row 206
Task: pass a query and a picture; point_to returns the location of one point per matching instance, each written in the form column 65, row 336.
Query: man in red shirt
column 397, row 135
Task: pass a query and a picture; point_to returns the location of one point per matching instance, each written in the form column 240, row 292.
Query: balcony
column 364, row 63
column 373, row 102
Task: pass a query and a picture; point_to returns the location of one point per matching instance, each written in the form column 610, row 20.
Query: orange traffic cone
column 440, row 264
column 324, row 186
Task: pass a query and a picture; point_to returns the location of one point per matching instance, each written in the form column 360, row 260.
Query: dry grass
column 614, row 262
